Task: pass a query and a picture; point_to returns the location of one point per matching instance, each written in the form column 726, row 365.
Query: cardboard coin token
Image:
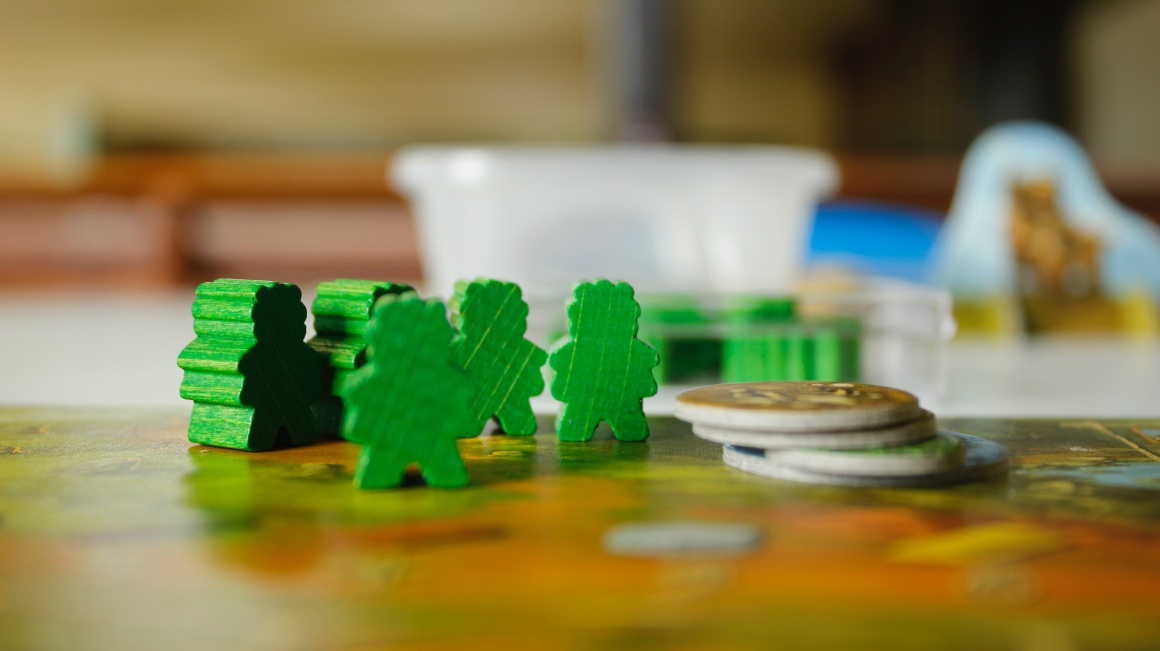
column 796, row 406
column 983, row 459
column 920, row 429
column 940, row 454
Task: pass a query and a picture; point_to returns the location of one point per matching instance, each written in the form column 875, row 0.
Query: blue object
column 878, row 239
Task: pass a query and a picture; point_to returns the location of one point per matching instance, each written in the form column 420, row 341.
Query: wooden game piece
column 767, row 342
column 755, row 348
column 410, row 401
column 492, row 319
column 828, row 356
column 983, row 459
column 602, row 371
column 921, row 429
column 679, row 329
column 251, row 376
column 938, row 454
column 799, row 356
column 341, row 311
column 796, row 406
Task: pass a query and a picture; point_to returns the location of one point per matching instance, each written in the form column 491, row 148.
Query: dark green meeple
column 603, row 371
column 680, row 329
column 492, row 318
column 342, row 309
column 251, row 376
column 410, row 400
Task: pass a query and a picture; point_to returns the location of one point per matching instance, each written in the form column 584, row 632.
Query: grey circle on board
column 682, row 537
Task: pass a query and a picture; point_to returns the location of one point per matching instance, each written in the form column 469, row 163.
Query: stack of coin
column 838, row 433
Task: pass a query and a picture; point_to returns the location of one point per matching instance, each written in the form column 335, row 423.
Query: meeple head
column 279, row 313
column 485, row 299
column 404, row 326
column 609, row 308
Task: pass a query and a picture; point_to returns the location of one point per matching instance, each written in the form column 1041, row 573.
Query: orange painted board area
column 117, row 533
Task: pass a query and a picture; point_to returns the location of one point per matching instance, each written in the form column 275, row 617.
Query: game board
column 117, row 533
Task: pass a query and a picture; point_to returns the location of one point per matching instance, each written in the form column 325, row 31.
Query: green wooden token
column 677, row 327
column 827, row 356
column 492, row 318
column 341, row 311
column 251, row 376
column 410, row 401
column 602, row 370
column 752, row 353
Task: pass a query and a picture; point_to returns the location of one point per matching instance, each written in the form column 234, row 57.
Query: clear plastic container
column 896, row 332
column 668, row 219
column 710, row 225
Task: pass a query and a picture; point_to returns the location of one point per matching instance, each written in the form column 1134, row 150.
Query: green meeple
column 492, row 318
column 410, row 401
column 603, row 371
column 250, row 374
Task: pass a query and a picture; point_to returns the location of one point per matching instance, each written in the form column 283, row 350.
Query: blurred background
column 146, row 146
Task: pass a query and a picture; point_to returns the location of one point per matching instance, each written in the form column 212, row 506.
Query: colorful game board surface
column 118, row 533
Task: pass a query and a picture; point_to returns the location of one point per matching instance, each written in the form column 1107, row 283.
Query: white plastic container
column 905, row 332
column 706, row 222
column 715, row 220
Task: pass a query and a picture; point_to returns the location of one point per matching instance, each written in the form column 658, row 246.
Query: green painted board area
column 118, row 533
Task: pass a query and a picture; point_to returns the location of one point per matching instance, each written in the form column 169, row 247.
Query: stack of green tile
column 767, row 342
column 678, row 328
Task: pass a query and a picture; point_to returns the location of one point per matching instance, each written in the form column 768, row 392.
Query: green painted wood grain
column 492, row 318
column 602, row 370
column 410, row 401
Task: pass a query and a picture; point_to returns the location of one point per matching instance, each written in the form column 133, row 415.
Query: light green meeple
column 410, row 401
column 602, row 370
column 492, row 318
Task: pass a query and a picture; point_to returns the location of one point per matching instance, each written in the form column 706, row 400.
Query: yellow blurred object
column 997, row 317
column 985, row 543
column 1139, row 314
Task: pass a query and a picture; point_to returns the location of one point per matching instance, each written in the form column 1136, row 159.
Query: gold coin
column 809, row 406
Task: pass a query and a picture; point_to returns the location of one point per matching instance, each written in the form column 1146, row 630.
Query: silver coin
column 920, row 429
column 940, row 454
column 983, row 459
column 796, row 406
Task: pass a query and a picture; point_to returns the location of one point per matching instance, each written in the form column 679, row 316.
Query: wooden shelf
column 167, row 197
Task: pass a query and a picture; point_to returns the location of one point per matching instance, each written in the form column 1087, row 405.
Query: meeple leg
column 576, row 423
column 379, row 468
column 628, row 423
column 517, row 418
column 300, row 425
column 443, row 467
